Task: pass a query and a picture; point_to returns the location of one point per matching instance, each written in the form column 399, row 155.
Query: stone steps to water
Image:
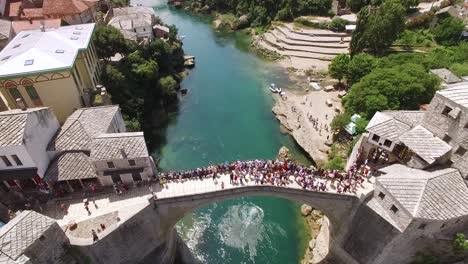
column 331, row 45
column 270, row 39
column 316, row 32
column 298, row 54
column 317, row 39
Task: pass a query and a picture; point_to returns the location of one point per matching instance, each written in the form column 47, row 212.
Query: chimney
column 21, row 104
column 30, row 21
column 42, row 25
column 122, row 152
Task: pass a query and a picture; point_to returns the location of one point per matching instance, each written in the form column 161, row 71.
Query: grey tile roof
column 392, row 124
column 440, row 195
column 446, row 75
column 427, row 146
column 70, row 166
column 12, row 125
column 109, row 146
column 82, row 126
column 457, row 94
column 133, row 10
column 21, row 232
column 390, row 129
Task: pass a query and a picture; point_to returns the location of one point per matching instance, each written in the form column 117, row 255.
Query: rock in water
column 312, row 244
column 306, row 209
column 284, row 154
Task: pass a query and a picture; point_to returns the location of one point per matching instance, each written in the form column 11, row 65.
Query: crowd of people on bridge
column 276, row 173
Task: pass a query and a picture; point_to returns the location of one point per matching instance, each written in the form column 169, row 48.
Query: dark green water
column 227, row 116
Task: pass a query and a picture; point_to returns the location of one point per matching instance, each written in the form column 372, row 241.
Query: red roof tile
column 19, row 26
column 65, row 7
column 28, row 12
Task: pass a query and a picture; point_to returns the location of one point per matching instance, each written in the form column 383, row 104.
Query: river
column 226, row 115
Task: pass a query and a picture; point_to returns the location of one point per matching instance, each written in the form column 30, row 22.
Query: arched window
column 14, row 92
column 33, row 95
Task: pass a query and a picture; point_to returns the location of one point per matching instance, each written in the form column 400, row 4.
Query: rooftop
column 115, row 145
column 457, row 93
column 5, row 29
column 21, row 232
column 82, row 126
column 425, row 144
column 23, row 25
column 12, row 125
column 446, row 76
column 34, row 13
column 440, row 194
column 35, row 51
column 66, row 7
column 392, row 124
column 70, row 166
column 133, row 10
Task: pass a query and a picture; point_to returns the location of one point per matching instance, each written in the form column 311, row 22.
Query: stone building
column 135, row 23
column 422, row 139
column 24, row 135
column 93, row 149
column 57, row 68
column 33, row 238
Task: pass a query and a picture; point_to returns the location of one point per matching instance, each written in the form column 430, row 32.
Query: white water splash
column 242, row 227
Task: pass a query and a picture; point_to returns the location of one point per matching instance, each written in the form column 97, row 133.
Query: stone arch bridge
column 146, row 229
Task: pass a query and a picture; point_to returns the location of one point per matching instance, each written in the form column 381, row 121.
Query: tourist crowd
column 277, row 173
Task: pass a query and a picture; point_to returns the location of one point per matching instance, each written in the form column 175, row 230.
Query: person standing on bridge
column 231, row 177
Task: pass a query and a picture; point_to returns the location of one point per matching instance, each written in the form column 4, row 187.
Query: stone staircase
column 315, row 44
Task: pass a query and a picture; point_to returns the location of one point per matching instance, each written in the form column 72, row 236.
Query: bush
column 460, row 69
column 340, row 121
column 336, row 163
column 460, row 243
column 448, row 31
column 422, row 21
column 415, row 38
column 339, row 24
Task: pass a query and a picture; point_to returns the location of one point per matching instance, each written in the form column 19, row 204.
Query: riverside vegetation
column 145, row 81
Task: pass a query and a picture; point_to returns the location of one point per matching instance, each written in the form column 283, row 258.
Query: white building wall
column 40, row 129
column 2, row 7
column 21, row 152
column 144, row 32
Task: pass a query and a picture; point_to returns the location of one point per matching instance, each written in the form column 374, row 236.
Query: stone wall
column 456, row 129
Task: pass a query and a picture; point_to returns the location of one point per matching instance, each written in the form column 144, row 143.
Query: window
column 387, row 143
column 76, row 33
column 60, row 51
column 394, row 209
column 136, row 176
column 74, row 38
column 26, row 35
column 376, row 138
column 28, row 62
column 78, row 75
column 131, row 162
column 17, row 160
column 446, row 138
column 33, row 95
column 460, row 151
column 7, row 57
column 422, row 226
column 15, row 93
column 381, row 195
column 110, row 164
column 6, row 161
column 16, row 46
column 446, row 110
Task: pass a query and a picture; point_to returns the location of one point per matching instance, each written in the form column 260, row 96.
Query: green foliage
column 338, row 67
column 120, row 3
column 109, row 41
column 361, row 125
column 169, row 88
column 339, row 24
column 132, row 124
column 448, row 31
column 359, row 66
column 336, row 163
column 404, row 86
column 422, row 21
column 356, row 5
column 460, row 69
column 378, row 31
column 262, row 12
column 340, row 121
column 422, row 37
column 460, row 244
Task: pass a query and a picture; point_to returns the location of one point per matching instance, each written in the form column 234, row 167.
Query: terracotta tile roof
column 65, row 7
column 70, row 166
column 28, row 12
column 23, row 25
column 21, row 232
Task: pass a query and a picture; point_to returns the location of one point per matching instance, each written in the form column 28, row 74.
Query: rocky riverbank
column 318, row 225
column 307, row 117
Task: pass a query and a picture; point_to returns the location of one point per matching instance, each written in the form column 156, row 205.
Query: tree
column 401, row 87
column 338, row 24
column 448, row 31
column 361, row 125
column 460, row 244
column 356, row 5
column 340, row 121
column 109, row 41
column 359, row 66
column 378, row 31
column 338, row 67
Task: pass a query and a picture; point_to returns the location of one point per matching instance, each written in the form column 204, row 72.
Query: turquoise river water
column 227, row 116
